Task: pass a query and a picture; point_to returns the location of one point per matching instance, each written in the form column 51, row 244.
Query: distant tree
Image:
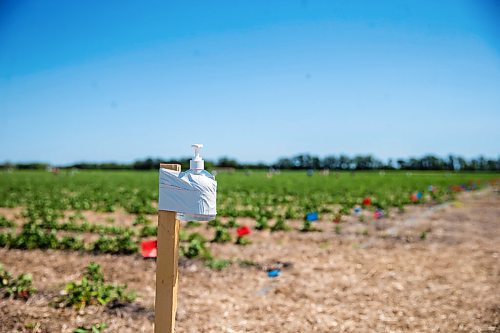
column 226, row 162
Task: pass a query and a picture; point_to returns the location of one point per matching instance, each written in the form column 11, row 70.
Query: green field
column 239, row 194
column 46, row 198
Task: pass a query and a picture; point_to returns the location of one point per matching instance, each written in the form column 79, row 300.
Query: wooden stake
column 166, row 267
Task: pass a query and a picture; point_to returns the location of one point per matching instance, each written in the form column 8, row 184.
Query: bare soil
column 430, row 269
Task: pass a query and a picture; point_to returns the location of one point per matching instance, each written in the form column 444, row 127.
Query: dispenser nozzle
column 197, row 147
column 197, row 162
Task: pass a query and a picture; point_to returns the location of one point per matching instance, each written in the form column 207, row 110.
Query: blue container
column 274, row 273
column 312, row 216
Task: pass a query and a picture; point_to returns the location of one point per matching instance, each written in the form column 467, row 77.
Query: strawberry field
column 52, row 205
column 268, row 226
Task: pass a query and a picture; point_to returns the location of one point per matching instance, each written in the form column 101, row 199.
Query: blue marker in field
column 419, row 195
column 357, row 210
column 312, row 216
column 274, row 273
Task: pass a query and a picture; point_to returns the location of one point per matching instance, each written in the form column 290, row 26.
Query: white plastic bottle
column 196, row 167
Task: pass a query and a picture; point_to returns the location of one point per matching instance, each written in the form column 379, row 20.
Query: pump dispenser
column 196, row 174
column 197, row 163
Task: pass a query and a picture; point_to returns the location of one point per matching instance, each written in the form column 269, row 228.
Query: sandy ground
column 376, row 276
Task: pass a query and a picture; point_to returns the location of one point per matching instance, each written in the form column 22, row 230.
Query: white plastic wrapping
column 188, row 194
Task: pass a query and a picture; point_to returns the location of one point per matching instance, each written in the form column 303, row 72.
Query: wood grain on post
column 166, row 267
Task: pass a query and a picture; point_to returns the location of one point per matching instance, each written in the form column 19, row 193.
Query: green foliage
column 262, row 223
column 193, row 224
column 217, row 264
column 221, row 235
column 115, row 245
column 95, row 328
column 6, row 239
column 148, row 231
column 4, row 223
column 307, row 226
column 231, row 223
column 34, row 237
column 196, row 247
column 242, row 240
column 214, row 223
column 92, row 290
column 21, row 287
column 141, row 220
column 284, row 196
column 71, row 243
column 280, row 225
column 5, row 277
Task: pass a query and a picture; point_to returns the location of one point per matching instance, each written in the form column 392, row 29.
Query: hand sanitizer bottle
column 196, row 169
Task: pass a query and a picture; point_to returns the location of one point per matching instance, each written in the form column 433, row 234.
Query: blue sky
column 254, row 80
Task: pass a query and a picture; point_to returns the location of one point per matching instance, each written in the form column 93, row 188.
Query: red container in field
column 149, row 249
column 242, row 231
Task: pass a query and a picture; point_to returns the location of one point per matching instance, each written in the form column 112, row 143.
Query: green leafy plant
column 262, row 223
column 217, row 264
column 34, row 237
column 95, row 328
column 193, row 224
column 115, row 245
column 307, row 226
column 71, row 243
column 231, row 223
column 141, row 220
column 222, row 235
column 214, row 223
column 4, row 223
column 280, row 225
column 196, row 247
column 92, row 290
column 5, row 277
column 149, row 231
column 21, row 287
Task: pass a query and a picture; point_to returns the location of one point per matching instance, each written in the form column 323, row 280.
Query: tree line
column 298, row 162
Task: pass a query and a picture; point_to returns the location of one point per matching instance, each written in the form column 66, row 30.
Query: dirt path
column 384, row 276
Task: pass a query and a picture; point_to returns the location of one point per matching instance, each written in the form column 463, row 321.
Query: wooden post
column 166, row 267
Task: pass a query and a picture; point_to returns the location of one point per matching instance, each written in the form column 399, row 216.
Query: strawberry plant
column 92, row 290
column 20, row 287
column 280, row 225
column 95, row 328
column 221, row 235
column 141, row 220
column 115, row 245
column 241, row 232
column 148, row 231
column 4, row 223
column 196, row 247
column 262, row 223
column 5, row 277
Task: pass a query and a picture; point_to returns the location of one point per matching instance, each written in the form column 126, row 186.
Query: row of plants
column 32, row 236
column 240, row 194
column 92, row 289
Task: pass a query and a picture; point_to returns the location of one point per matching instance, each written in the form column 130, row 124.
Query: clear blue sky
column 254, row 80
